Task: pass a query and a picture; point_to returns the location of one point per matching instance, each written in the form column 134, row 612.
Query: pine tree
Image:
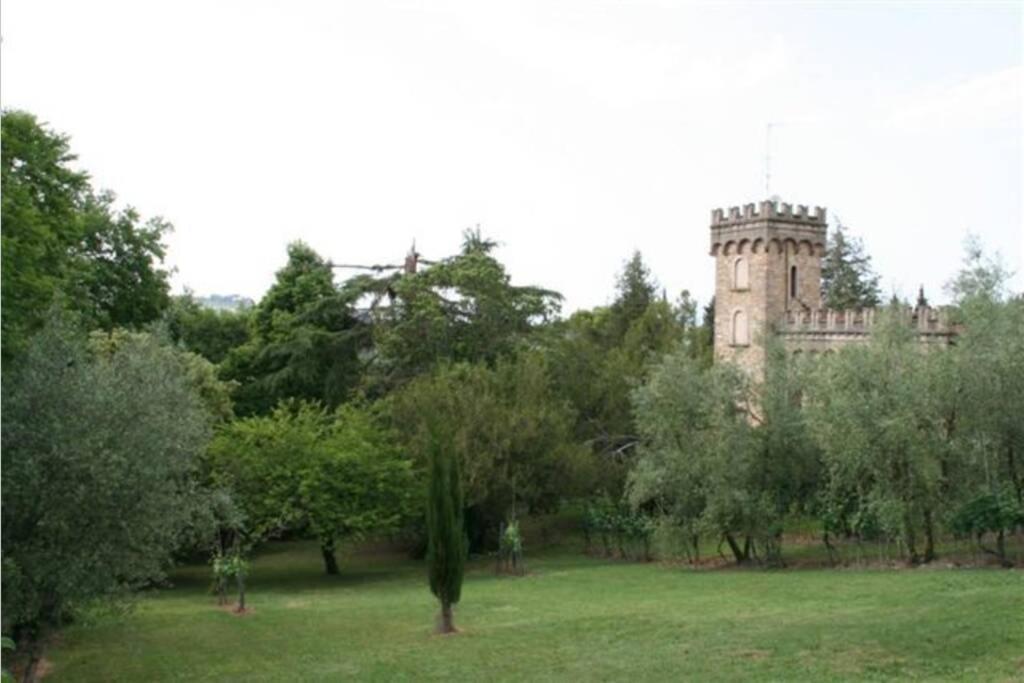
column 847, row 277
column 635, row 289
column 446, row 533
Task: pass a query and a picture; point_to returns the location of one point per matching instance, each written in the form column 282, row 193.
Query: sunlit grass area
column 571, row 618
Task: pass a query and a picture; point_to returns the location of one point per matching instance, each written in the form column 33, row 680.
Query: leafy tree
column 787, row 470
column 847, row 278
column 199, row 373
column 723, row 456
column 98, row 460
column 117, row 272
column 306, row 340
column 210, row 333
column 512, row 437
column 334, row 475
column 876, row 412
column 997, row 513
column 446, row 534
column 228, row 567
column 40, row 194
column 985, row 369
column 700, row 462
column 64, row 243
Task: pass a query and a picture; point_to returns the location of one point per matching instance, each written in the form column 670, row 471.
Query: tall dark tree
column 513, row 437
column 707, row 331
column 305, row 343
column 305, row 281
column 847, row 277
column 598, row 356
column 446, row 533
column 635, row 290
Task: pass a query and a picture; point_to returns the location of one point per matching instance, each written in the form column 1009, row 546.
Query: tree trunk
column 30, row 675
column 447, row 623
column 741, row 556
column 241, row 592
column 330, row 561
column 1012, row 465
column 929, row 537
column 910, row 538
column 830, row 548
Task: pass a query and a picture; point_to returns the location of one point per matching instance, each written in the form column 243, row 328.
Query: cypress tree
column 446, row 533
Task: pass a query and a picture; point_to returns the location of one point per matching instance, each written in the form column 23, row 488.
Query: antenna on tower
column 768, row 158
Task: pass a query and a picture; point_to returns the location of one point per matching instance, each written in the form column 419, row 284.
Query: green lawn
column 573, row 618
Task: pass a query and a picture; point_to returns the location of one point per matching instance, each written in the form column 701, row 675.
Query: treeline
column 140, row 427
column 887, row 441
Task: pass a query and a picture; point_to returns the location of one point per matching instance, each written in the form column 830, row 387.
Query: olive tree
column 698, row 455
column 876, row 411
column 986, row 372
column 98, row 463
column 722, row 454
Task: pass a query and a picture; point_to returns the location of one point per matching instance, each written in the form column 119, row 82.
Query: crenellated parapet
column 768, row 225
column 832, row 325
column 768, row 210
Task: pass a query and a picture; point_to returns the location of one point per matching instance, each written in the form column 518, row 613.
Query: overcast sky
column 572, row 133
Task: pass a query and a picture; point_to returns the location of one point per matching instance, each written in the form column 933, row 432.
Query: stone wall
column 823, row 330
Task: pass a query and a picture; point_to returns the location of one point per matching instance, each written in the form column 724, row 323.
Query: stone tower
column 767, row 265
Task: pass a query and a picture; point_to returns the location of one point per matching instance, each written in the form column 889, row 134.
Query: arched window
column 740, row 332
column 741, row 274
column 792, row 282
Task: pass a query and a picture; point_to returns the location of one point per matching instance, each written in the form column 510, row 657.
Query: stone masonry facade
column 768, row 282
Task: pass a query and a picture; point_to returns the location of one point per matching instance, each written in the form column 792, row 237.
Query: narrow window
column 740, row 334
column 741, row 274
column 792, row 282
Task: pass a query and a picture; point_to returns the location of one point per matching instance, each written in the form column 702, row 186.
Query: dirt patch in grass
column 234, row 611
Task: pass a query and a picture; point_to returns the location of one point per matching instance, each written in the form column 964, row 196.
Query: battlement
column 768, row 210
column 925, row 321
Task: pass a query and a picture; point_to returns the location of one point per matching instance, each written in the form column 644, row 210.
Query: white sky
column 571, row 132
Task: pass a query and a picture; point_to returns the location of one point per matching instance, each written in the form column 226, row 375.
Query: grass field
column 573, row 617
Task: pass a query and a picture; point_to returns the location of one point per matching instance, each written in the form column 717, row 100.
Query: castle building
column 768, row 282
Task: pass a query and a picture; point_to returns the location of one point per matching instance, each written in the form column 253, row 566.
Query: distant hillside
column 225, row 302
